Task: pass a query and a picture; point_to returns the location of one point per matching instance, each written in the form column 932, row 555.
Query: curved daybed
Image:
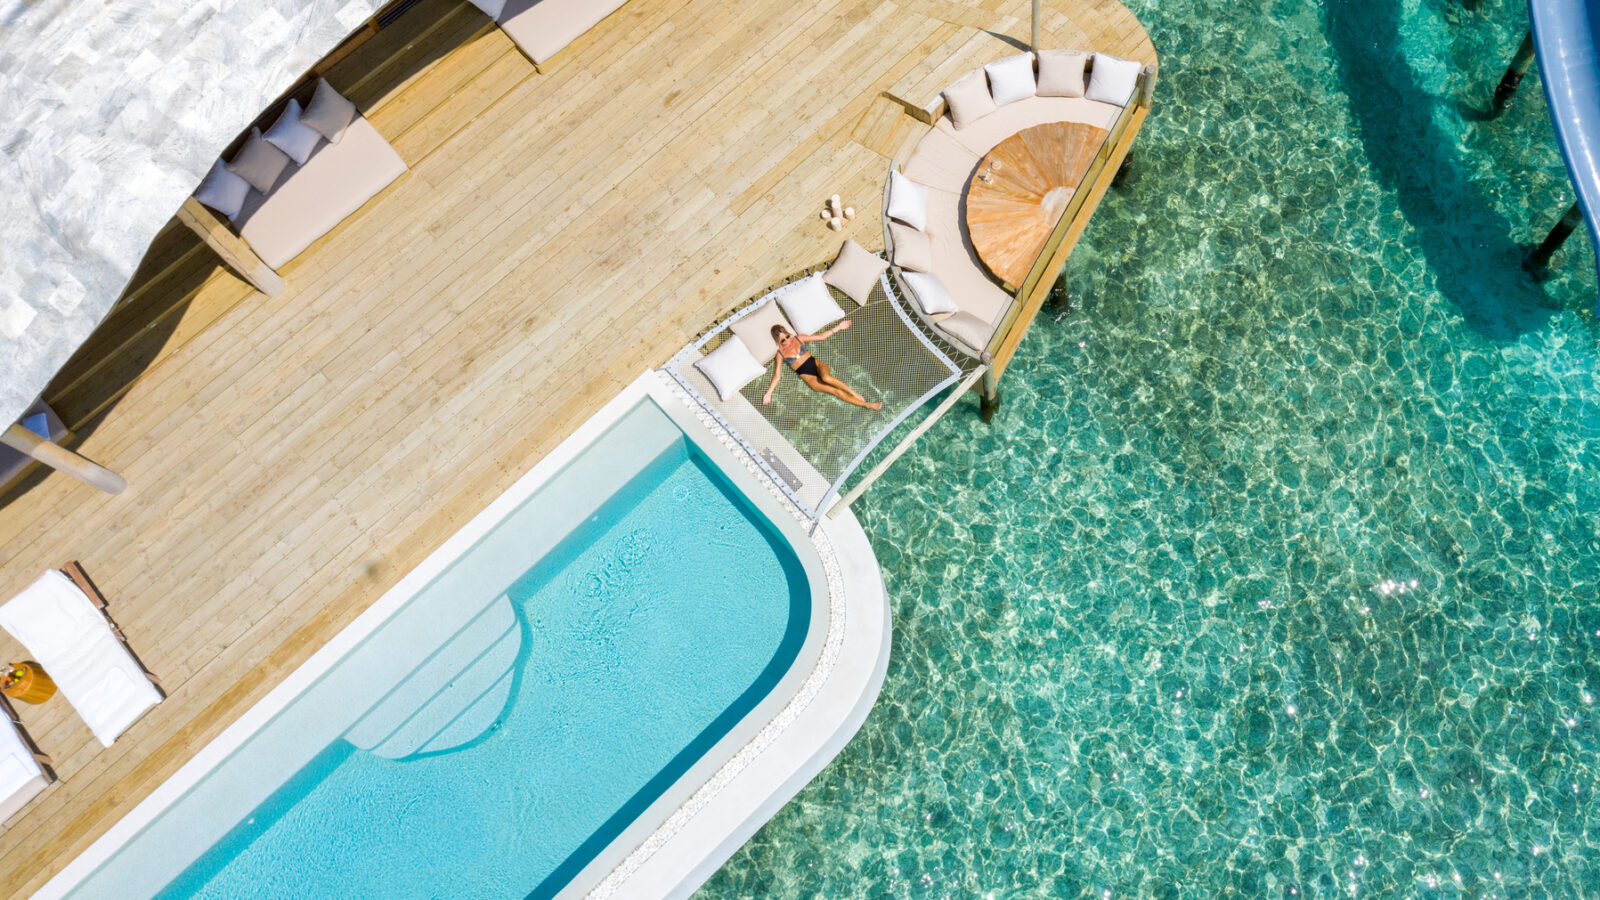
column 991, row 104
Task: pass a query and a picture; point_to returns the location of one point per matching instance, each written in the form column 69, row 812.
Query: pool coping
column 625, row 848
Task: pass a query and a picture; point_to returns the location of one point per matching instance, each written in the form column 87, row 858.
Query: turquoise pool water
column 1277, row 574
column 639, row 650
column 507, row 722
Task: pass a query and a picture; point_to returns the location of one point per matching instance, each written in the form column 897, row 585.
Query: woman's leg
column 821, row 386
column 827, row 377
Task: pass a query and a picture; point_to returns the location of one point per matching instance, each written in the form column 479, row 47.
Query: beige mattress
column 309, row 200
column 542, row 27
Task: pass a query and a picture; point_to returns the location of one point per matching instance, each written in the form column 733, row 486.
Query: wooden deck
column 290, row 458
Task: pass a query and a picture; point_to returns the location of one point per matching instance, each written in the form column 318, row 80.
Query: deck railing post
column 1538, row 259
column 989, row 398
column 1510, row 81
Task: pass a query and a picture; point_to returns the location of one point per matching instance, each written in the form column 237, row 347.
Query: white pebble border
column 797, row 705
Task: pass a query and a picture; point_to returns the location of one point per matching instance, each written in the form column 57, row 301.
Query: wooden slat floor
column 290, row 458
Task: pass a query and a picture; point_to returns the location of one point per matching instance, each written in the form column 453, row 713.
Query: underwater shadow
column 1467, row 244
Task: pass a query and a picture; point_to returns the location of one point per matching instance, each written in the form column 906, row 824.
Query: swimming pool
column 523, row 713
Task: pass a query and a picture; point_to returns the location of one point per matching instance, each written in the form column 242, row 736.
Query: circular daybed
column 927, row 220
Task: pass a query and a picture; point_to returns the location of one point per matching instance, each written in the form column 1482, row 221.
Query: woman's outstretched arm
column 810, row 338
column 777, row 372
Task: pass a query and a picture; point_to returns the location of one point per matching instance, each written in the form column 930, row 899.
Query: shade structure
column 110, row 114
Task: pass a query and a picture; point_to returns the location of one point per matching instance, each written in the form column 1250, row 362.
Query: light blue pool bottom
column 521, row 711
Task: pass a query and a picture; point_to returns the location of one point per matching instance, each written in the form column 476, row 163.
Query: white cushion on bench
column 941, row 162
column 21, row 776
column 986, row 133
column 308, row 201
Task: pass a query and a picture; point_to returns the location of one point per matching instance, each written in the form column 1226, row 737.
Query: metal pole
column 905, row 444
column 1538, row 258
column 1510, row 81
column 60, row 458
column 1036, row 25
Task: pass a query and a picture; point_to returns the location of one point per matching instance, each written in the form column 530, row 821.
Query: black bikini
column 808, row 366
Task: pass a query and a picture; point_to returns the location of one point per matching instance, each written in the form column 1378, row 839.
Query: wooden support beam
column 1512, row 79
column 60, row 458
column 232, row 248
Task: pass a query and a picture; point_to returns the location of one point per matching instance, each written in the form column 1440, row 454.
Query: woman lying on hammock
column 815, row 373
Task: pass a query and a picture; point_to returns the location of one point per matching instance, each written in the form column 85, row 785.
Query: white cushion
column 491, row 8
column 930, row 292
column 1011, row 79
column 292, row 136
column 1112, row 79
column 908, row 201
column 1061, row 72
column 258, row 162
column 855, row 272
column 969, row 99
column 808, row 305
column 968, row 329
column 730, row 367
column 222, row 190
column 328, row 112
column 755, row 329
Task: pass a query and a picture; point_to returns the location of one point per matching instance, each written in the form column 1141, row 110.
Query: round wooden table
column 1020, row 190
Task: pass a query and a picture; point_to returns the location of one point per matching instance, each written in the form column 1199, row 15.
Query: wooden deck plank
column 290, row 458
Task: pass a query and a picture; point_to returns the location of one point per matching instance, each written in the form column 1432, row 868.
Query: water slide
column 1564, row 35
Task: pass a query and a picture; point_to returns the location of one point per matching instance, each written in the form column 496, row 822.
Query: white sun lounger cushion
column 908, row 201
column 1112, row 79
column 74, row 643
column 21, row 776
column 730, row 367
column 808, row 304
column 1011, row 79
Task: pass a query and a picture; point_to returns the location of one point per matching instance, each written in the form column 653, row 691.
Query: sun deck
column 289, row 458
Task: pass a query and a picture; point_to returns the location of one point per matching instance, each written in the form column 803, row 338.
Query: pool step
column 451, row 698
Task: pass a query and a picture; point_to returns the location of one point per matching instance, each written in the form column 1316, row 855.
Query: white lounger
column 59, row 620
column 22, row 776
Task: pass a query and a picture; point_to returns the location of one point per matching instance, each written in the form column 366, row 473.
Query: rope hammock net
column 810, row 442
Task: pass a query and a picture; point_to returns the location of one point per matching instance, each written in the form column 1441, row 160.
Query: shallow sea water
column 1276, row 574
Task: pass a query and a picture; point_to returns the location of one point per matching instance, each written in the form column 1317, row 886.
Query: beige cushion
column 969, row 99
column 854, row 272
column 491, row 8
column 957, row 264
column 292, row 136
column 328, row 112
column 912, row 249
column 1112, row 80
column 1011, row 79
column 755, row 330
column 982, row 136
column 968, row 329
column 306, row 202
column 543, row 27
column 258, row 162
column 1061, row 72
column 941, row 162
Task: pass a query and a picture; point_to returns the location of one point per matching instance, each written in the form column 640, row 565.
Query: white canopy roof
column 111, row 111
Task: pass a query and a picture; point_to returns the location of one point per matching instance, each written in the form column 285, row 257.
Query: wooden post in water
column 60, row 458
column 1538, row 259
column 1510, row 81
column 989, row 399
